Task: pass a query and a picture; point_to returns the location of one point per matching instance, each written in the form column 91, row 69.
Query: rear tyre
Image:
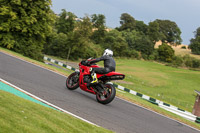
column 107, row 95
column 72, row 81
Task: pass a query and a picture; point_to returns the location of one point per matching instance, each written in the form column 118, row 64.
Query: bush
column 183, row 47
column 154, row 55
column 188, row 63
column 191, row 62
column 195, row 63
column 165, row 53
column 187, row 60
column 177, row 61
column 144, row 56
column 133, row 54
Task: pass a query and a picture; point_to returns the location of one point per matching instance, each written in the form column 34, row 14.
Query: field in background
column 180, row 51
column 172, row 85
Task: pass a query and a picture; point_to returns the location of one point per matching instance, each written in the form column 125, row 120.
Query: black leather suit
column 109, row 64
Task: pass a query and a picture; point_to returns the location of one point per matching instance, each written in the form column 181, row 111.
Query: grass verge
column 172, row 85
column 139, row 101
column 19, row 115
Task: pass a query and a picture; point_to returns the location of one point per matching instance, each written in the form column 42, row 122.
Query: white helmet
column 108, row 52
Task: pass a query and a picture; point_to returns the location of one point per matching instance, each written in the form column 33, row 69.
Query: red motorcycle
column 104, row 91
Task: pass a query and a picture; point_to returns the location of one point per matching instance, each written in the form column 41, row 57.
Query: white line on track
column 39, row 99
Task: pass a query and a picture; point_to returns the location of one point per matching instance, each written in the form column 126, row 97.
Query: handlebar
column 87, row 63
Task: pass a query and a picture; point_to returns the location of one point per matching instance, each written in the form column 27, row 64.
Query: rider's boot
column 94, row 76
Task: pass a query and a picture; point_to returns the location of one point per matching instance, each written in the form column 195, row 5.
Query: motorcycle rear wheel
column 72, row 81
column 108, row 94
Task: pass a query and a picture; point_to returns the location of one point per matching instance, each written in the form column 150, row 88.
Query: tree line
column 89, row 37
column 31, row 28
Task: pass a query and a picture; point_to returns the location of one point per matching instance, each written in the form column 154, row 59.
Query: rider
column 109, row 65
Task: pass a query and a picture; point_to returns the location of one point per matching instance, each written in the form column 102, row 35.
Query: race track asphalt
column 119, row 116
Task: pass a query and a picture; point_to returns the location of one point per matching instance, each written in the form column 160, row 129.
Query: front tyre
column 72, row 81
column 107, row 95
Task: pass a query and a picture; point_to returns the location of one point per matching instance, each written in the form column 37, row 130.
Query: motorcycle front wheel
column 72, row 81
column 107, row 95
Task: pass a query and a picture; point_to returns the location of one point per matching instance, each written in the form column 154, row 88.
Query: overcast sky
column 186, row 13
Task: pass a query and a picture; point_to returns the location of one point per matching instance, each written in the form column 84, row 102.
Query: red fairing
column 94, row 66
column 114, row 73
column 104, row 91
column 85, row 70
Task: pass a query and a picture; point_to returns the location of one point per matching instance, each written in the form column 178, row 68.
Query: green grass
column 172, row 85
column 18, row 115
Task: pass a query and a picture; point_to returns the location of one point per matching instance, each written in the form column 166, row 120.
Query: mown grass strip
column 18, row 115
column 16, row 92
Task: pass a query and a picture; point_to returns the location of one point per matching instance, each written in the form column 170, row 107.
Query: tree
column 144, row 45
column 82, row 46
column 131, row 37
column 165, row 52
column 73, row 44
column 65, row 22
column 138, row 41
column 141, row 27
column 116, row 42
column 24, row 26
column 153, row 31
column 169, row 32
column 195, row 42
column 197, row 32
column 84, row 28
column 59, row 45
column 127, row 22
column 98, row 22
